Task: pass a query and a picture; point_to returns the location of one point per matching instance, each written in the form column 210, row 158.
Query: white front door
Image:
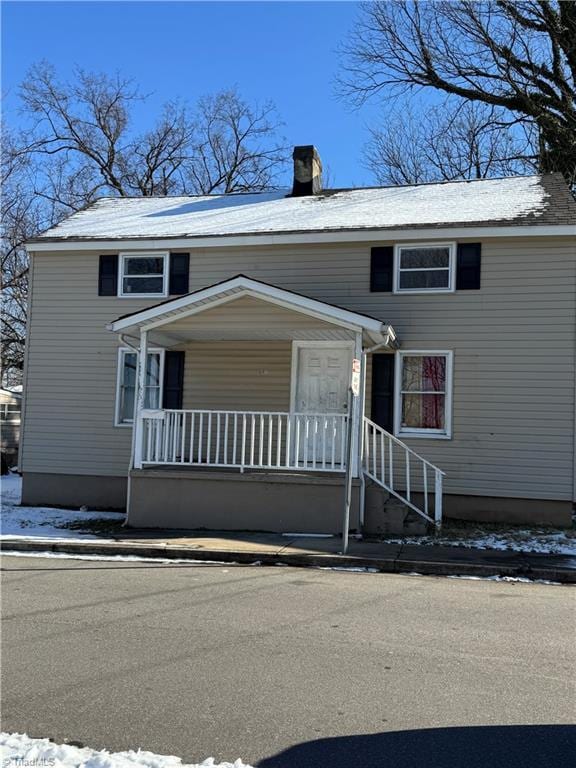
column 322, row 381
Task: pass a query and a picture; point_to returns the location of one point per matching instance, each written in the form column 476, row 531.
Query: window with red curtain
column 423, row 392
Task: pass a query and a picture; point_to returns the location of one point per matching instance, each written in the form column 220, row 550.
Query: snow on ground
column 45, row 522
column 544, row 540
column 246, row 213
column 20, row 750
column 509, row 579
column 117, row 558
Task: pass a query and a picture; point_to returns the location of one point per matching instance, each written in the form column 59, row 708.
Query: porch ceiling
column 243, row 309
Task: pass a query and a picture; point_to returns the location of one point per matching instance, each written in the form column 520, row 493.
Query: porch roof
column 294, row 316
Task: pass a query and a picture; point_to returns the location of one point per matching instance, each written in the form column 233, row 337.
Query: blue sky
column 284, row 51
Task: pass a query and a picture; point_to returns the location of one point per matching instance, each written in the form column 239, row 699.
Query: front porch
column 260, row 428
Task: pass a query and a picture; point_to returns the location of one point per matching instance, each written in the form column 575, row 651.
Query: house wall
column 240, row 375
column 513, row 344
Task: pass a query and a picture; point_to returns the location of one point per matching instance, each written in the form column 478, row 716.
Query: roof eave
column 303, row 237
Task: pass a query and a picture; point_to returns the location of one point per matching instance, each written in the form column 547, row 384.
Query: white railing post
column 138, row 435
column 438, row 500
column 243, row 447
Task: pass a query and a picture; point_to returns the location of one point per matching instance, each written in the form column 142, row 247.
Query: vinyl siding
column 71, row 371
column 513, row 343
column 242, row 375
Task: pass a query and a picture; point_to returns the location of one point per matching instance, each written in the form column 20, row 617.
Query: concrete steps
column 385, row 515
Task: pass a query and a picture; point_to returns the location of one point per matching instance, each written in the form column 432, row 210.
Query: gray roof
column 513, row 201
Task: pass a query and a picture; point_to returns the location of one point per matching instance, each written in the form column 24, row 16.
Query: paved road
column 290, row 668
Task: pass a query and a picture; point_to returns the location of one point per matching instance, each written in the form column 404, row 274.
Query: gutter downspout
column 390, row 341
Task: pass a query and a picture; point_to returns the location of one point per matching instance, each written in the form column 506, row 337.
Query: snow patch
column 511, row 579
column 117, row 558
column 539, row 540
column 254, row 213
column 347, row 568
column 46, row 523
column 18, row 749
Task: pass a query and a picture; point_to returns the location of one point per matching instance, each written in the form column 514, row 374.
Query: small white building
column 10, row 410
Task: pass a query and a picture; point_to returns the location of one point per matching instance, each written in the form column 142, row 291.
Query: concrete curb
column 396, row 564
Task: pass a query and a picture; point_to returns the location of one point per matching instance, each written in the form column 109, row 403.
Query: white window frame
column 399, row 247
column 120, row 367
column 435, row 434
column 164, row 255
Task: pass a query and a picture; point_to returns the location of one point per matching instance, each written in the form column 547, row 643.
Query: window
column 143, row 274
column 127, row 379
column 424, row 394
column 9, row 412
column 424, row 268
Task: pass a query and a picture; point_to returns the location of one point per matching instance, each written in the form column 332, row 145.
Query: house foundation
column 74, row 491
column 196, row 498
column 228, row 501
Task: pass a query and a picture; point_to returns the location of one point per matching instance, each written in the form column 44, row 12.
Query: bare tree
column 224, row 144
column 473, row 141
column 79, row 143
column 518, row 56
column 232, row 149
column 20, row 219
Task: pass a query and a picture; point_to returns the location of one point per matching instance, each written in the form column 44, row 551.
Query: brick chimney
column 307, row 171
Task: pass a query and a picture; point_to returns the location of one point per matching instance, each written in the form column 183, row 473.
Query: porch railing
column 243, row 440
column 402, row 472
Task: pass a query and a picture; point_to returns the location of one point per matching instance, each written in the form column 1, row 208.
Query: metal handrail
column 378, row 463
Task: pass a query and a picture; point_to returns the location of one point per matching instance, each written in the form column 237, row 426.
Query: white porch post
column 140, row 398
column 352, row 444
column 356, row 408
column 362, row 409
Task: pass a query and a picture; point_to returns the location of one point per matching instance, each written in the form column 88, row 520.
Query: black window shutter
column 173, row 380
column 383, row 391
column 381, row 268
column 108, row 275
column 468, row 263
column 179, row 274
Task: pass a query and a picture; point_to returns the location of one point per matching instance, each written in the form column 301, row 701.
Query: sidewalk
column 302, row 551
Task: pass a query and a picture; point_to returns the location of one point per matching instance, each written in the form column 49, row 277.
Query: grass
column 95, row 526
